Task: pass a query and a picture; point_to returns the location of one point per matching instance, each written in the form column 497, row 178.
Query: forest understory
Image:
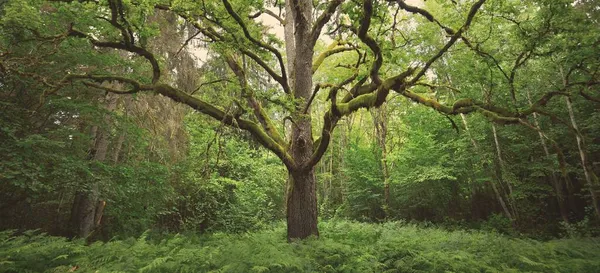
column 344, row 246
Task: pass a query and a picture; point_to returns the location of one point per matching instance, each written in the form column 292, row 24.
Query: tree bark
column 302, row 206
column 117, row 150
column 560, row 199
column 499, row 173
column 381, row 130
column 302, row 195
column 590, row 177
column 494, row 187
column 85, row 212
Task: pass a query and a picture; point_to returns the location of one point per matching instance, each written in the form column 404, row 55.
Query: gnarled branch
column 123, row 46
column 322, row 20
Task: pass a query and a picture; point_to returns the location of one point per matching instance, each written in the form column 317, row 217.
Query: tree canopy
column 288, row 85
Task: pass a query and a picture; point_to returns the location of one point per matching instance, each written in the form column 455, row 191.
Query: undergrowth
column 343, row 247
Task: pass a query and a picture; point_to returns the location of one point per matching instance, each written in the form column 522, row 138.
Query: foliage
column 365, row 185
column 178, row 171
column 223, row 184
column 344, row 247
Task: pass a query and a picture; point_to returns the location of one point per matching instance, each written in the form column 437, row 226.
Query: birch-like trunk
column 590, row 177
column 500, row 174
column 498, row 194
column 560, row 199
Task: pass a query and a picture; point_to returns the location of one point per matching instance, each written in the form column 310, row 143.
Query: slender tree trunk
column 116, row 156
column 499, row 197
column 328, row 192
column 501, row 200
column 380, row 120
column 499, row 173
column 473, row 142
column 590, row 177
column 560, row 199
column 117, row 149
column 492, row 183
column 343, row 146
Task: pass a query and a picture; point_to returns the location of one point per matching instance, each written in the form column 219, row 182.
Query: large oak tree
column 235, row 35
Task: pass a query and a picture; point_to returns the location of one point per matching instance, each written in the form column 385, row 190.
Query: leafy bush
column 343, row 247
column 498, row 223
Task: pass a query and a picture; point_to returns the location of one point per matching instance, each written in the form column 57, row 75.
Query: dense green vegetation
column 344, row 247
column 393, row 136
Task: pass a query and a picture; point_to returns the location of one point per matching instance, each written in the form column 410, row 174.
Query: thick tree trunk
column 302, row 206
column 290, row 45
column 85, row 211
column 301, row 194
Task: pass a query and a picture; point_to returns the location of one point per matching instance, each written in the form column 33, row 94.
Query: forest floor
column 343, row 247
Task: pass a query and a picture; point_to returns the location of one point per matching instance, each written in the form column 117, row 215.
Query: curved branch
column 451, row 42
column 332, row 49
column 232, row 120
column 589, row 97
column 261, row 44
column 332, row 93
column 270, row 13
column 281, row 80
column 199, row 105
column 494, row 113
column 433, row 87
column 123, row 46
column 363, row 35
column 322, row 20
column 96, row 82
column 416, row 10
column 338, row 110
column 259, row 112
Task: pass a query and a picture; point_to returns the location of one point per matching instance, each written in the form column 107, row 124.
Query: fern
column 343, row 247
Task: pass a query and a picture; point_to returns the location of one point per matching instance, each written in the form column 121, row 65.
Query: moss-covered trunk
column 302, row 195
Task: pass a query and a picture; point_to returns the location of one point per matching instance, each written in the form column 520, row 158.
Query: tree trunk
column 302, row 206
column 590, row 177
column 380, row 120
column 117, row 150
column 499, row 173
column 501, row 200
column 494, row 187
column 492, row 183
column 302, row 195
column 555, row 182
column 342, row 155
column 84, row 215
